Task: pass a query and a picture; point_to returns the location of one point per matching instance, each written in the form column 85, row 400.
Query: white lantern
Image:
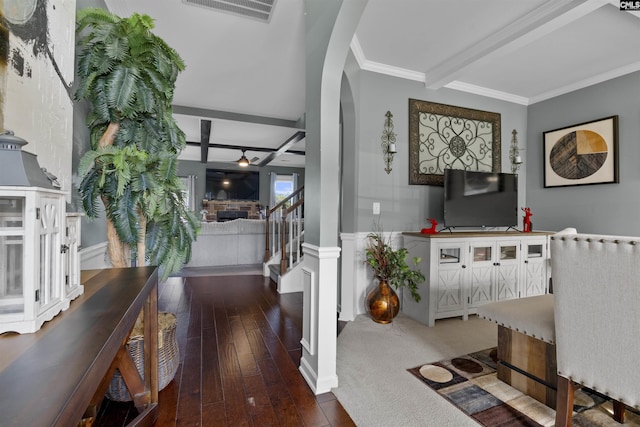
column 71, row 257
column 32, row 234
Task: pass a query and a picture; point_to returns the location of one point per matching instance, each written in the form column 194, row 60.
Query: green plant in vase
column 390, row 267
column 128, row 74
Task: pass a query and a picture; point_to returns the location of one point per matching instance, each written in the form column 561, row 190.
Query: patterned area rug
column 470, row 383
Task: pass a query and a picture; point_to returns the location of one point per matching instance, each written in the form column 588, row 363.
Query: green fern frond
column 145, row 101
column 90, row 193
column 167, row 167
column 121, row 89
column 86, row 162
column 172, row 55
column 174, row 135
column 155, row 81
column 97, row 95
column 122, row 211
column 118, row 49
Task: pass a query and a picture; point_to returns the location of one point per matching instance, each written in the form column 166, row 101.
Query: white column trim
column 321, row 252
column 321, row 270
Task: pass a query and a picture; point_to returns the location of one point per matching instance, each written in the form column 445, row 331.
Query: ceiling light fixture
column 243, row 161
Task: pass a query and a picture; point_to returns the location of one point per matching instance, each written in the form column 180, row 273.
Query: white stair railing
column 284, row 230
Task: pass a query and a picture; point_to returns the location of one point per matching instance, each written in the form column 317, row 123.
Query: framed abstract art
column 582, row 154
column 449, row 137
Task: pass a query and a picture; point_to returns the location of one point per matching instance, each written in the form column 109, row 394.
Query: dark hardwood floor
column 240, row 350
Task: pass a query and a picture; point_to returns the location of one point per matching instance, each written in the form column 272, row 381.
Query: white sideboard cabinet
column 466, row 269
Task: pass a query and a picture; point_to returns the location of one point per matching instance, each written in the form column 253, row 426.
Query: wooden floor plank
column 240, row 349
column 236, row 406
column 211, row 378
column 190, row 398
column 168, row 401
column 214, row 415
column 262, row 413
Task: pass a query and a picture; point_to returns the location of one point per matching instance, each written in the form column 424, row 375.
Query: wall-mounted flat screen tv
column 480, row 199
column 232, row 185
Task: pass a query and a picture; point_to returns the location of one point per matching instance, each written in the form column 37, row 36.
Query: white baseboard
column 317, row 385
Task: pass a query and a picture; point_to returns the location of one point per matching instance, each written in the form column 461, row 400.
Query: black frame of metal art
column 445, row 136
column 569, row 162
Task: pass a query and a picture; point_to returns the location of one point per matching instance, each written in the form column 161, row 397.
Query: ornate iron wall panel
column 444, row 136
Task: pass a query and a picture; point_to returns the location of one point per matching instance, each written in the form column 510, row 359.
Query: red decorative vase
column 382, row 303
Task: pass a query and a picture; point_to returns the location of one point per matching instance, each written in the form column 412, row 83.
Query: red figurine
column 432, row 229
column 526, row 221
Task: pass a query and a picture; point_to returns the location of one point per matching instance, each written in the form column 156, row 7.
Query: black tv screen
column 480, row 199
column 232, row 185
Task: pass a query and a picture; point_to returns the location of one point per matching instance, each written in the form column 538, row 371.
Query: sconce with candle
column 388, row 139
column 514, row 153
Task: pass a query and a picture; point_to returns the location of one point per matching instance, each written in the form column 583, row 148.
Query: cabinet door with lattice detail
column 507, row 272
column 481, row 272
column 535, row 270
column 452, row 270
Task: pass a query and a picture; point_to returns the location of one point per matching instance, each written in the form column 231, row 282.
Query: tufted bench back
column 596, row 285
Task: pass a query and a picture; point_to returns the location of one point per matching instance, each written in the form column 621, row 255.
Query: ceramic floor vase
column 382, row 303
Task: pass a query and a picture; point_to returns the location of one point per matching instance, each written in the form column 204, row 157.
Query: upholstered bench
column 526, row 345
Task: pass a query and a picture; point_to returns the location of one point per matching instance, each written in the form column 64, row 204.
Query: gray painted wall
column 602, row 208
column 405, row 207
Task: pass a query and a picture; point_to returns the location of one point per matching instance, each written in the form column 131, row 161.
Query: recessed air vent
column 256, row 9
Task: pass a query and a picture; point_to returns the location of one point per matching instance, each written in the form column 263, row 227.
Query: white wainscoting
column 236, row 242
column 94, row 257
column 357, row 278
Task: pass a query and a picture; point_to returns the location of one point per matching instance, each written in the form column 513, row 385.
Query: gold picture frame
column 582, row 154
column 449, row 137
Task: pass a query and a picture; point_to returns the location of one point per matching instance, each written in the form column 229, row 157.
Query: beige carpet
column 372, row 360
column 377, row 388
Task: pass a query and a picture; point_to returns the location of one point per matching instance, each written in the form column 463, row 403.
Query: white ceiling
column 248, row 76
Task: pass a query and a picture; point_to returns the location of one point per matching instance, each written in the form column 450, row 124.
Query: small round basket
column 168, row 356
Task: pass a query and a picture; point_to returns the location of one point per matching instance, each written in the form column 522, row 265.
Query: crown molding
column 378, row 67
column 479, row 90
column 627, row 69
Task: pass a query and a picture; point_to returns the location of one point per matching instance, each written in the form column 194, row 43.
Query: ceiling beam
column 247, row 148
column 284, row 148
column 205, row 136
column 550, row 16
column 238, row 117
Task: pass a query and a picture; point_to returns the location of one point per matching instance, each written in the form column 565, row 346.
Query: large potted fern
column 128, row 74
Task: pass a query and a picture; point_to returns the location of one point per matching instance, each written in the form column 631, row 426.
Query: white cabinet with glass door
column 468, row 269
column 535, row 267
column 450, row 289
column 495, row 270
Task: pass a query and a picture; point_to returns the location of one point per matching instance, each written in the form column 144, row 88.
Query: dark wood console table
column 58, row 375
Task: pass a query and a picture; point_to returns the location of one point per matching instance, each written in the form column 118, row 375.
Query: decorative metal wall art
column 444, row 136
column 388, row 139
column 582, row 154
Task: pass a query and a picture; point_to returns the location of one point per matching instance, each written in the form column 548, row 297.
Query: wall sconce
column 514, row 153
column 388, row 142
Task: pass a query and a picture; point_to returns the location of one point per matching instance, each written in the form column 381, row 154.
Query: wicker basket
column 168, row 356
